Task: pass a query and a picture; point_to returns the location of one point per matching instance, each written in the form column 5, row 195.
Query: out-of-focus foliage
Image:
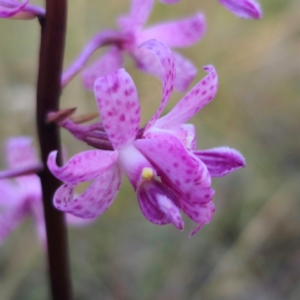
column 251, row 250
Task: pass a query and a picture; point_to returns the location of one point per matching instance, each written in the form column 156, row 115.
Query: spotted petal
column 249, row 9
column 159, row 204
column 177, row 34
column 192, row 102
column 9, row 9
column 138, row 16
column 108, row 63
column 177, row 167
column 204, row 215
column 84, row 166
column 156, row 58
column 221, row 161
column 95, row 200
column 119, row 107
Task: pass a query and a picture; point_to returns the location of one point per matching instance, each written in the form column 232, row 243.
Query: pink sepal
column 119, row 107
column 248, row 9
column 192, row 102
column 176, row 34
column 94, row 200
column 221, row 161
column 84, row 166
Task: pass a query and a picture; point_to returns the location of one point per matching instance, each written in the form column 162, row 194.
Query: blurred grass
column 251, row 248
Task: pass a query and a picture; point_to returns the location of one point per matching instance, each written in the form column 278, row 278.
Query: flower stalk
column 53, row 30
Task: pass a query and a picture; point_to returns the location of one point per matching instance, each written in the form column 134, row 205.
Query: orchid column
column 53, row 29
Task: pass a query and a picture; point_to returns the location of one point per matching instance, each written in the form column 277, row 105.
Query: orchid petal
column 10, row 9
column 101, row 39
column 249, row 9
column 108, row 63
column 30, row 185
column 221, row 161
column 84, row 166
column 159, row 204
column 94, row 200
column 9, row 220
column 185, row 72
column 163, row 67
column 177, row 167
column 197, row 210
column 184, row 69
column 191, row 103
column 11, row 194
column 204, row 216
column 119, row 107
column 20, row 152
column 138, row 16
column 176, row 34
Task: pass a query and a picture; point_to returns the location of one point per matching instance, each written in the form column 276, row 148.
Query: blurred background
column 251, row 249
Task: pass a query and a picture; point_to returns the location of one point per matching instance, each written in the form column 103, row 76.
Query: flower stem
column 53, row 30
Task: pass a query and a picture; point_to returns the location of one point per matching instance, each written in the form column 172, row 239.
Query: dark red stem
column 53, row 30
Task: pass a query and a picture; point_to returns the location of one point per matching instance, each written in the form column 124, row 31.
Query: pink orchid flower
column 19, row 10
column 175, row 34
column 166, row 175
column 23, row 196
column 248, row 9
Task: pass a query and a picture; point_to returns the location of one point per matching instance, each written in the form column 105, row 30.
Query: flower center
column 147, row 174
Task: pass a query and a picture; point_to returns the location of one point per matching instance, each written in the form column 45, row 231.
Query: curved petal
column 9, row 9
column 84, row 166
column 119, row 107
column 138, row 16
column 101, row 39
column 9, row 220
column 94, row 200
column 156, row 58
column 203, row 215
column 248, row 9
column 221, row 161
column 192, row 102
column 19, row 152
column 176, row 34
column 108, row 63
column 159, row 204
column 177, row 167
column 186, row 133
column 185, row 72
